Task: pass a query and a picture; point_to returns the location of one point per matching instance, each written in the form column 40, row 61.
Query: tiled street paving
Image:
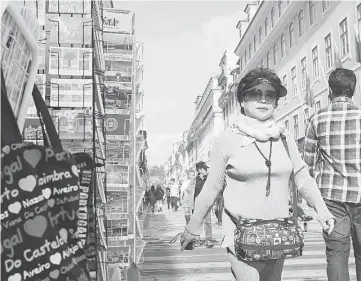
column 165, row 262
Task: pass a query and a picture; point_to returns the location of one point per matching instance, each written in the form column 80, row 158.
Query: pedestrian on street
column 152, row 199
column 167, row 194
column 252, row 156
column 332, row 150
column 159, row 193
column 187, row 195
column 174, row 194
column 202, row 170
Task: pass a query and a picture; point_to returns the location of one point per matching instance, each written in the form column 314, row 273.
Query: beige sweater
column 246, row 175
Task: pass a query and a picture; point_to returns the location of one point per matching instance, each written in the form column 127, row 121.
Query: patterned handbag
column 43, row 204
column 256, row 239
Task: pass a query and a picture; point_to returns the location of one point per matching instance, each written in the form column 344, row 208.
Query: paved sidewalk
column 165, row 262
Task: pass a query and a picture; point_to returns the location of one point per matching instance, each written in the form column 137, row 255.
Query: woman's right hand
column 187, row 238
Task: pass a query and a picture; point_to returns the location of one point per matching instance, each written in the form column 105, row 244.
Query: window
column 279, row 8
column 250, row 51
column 291, row 31
column 318, row 106
column 268, row 60
column 266, row 27
column 273, row 17
column 294, row 80
column 241, row 63
column 303, row 72
column 312, row 8
column 301, row 23
column 295, row 126
column 254, row 43
column 260, row 35
column 325, row 5
column 344, row 37
column 275, row 54
column 283, row 45
column 328, row 51
column 307, row 116
column 245, row 57
column 315, row 66
column 262, row 64
column 287, row 125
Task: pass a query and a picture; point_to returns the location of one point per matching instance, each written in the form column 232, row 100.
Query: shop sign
column 117, row 21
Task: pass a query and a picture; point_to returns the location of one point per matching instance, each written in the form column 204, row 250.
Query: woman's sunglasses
column 258, row 95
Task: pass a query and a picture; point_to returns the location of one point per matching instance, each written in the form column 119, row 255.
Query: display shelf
column 19, row 56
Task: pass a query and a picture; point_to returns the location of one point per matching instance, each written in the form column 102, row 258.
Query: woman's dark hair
column 342, row 82
column 152, row 188
column 251, row 76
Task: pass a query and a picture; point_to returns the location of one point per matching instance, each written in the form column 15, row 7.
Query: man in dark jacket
column 202, row 170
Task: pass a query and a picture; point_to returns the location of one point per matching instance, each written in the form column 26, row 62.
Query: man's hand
column 328, row 225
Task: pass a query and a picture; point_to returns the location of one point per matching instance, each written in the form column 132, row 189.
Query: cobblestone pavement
column 165, row 262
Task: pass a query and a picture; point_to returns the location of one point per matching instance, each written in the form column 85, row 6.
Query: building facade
column 303, row 41
column 208, row 121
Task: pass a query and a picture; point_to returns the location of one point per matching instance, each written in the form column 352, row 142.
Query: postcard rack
column 19, row 56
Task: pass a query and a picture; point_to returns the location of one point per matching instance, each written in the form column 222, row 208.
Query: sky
column 183, row 45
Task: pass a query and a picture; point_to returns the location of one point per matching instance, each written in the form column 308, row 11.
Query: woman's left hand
column 187, row 238
column 328, row 225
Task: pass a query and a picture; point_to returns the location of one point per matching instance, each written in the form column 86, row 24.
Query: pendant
column 268, row 163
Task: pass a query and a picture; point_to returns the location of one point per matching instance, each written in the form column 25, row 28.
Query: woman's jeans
column 348, row 226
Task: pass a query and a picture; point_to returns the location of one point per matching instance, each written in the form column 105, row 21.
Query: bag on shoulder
column 256, row 240
column 41, row 233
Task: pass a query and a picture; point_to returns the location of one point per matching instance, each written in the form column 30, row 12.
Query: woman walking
column 252, row 157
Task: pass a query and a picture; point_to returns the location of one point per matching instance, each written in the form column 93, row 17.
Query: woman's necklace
column 268, row 164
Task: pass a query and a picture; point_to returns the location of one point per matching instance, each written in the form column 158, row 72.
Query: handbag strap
column 10, row 132
column 175, row 238
column 53, row 136
column 233, row 219
column 294, row 189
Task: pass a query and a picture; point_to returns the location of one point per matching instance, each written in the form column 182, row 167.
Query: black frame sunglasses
column 258, row 95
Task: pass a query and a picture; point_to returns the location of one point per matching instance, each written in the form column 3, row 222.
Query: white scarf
column 253, row 129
